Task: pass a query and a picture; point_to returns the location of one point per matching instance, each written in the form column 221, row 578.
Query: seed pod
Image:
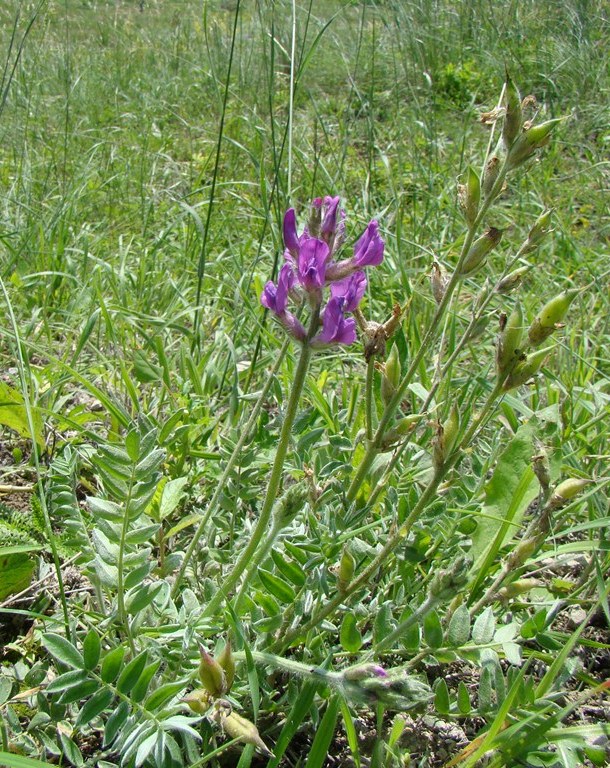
column 529, row 141
column 526, row 368
column 469, row 196
column 198, row 700
column 478, row 251
column 538, row 232
column 521, row 552
column 446, row 436
column 566, row 491
column 509, row 341
column 227, row 662
column 211, row 674
column 550, row 316
column 345, row 574
column 513, row 119
column 511, row 281
column 519, row 587
column 439, row 281
column 492, row 169
column 542, row 469
column 239, row 728
column 404, row 425
column 391, row 375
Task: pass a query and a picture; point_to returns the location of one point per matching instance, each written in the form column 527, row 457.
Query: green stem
column 376, row 443
column 422, row 610
column 274, row 479
column 245, row 434
column 370, row 378
column 123, row 617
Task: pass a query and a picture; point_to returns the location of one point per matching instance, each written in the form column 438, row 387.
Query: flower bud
column 211, row 674
column 239, row 728
column 362, row 671
column 391, row 375
column 509, row 340
column 551, row 316
column 198, row 700
column 526, row 368
column 513, row 120
column 479, row 250
column 446, row 436
column 511, row 281
column 529, row 141
column 345, row 574
column 315, row 217
column 227, row 662
column 469, row 196
column 490, row 175
column 566, row 491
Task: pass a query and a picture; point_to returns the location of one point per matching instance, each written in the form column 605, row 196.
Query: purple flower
column 368, row 251
column 336, row 329
column 349, row 290
column 329, row 223
column 275, row 298
column 311, row 264
column 291, row 239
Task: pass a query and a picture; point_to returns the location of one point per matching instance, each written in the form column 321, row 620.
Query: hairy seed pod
column 511, row 281
column 526, row 368
column 538, row 232
column 566, row 491
column 391, row 375
column 477, row 254
column 550, row 316
column 239, row 728
column 211, row 674
column 445, row 439
column 513, row 119
column 519, row 587
column 439, row 281
column 345, row 574
column 469, row 196
column 227, row 662
column 490, row 175
column 509, row 342
column 198, row 700
column 529, row 141
column 542, row 469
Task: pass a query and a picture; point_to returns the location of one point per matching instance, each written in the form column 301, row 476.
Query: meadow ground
column 407, row 548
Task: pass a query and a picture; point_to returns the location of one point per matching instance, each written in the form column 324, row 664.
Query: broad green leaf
column 433, row 630
column 350, row 637
column 442, row 703
column 463, row 699
column 164, row 693
column 484, row 627
column 63, row 650
column 142, row 534
column 458, row 631
column 142, row 597
column 70, row 749
column 131, row 674
column 78, row 692
column 173, row 491
column 94, row 707
column 17, row 761
column 111, row 664
column 67, row 680
column 509, row 492
column 91, row 649
column 145, row 748
column 141, row 687
column 16, row 569
column 383, row 623
column 13, row 414
column 289, row 569
column 115, row 722
column 276, row 586
column 325, row 731
column 486, row 690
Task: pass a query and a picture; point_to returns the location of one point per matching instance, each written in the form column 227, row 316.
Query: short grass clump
column 304, row 385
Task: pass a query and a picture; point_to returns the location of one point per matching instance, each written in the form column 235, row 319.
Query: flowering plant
column 310, row 266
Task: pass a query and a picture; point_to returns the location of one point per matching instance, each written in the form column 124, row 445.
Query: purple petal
column 351, row 289
column 293, row 326
column 291, row 240
column 368, row 251
column 312, row 264
column 329, row 224
column 269, row 296
column 336, row 329
column 284, row 286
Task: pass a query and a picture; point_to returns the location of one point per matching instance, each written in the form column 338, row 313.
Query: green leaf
column 111, row 664
column 350, row 637
column 16, row 569
column 383, row 623
column 173, row 491
column 131, row 674
column 458, row 631
column 442, row 703
column 276, row 586
column 17, row 761
column 463, row 699
column 142, row 534
column 485, row 690
column 115, row 722
column 433, row 630
column 91, row 649
column 324, row 734
column 289, row 569
column 94, row 707
column 164, row 693
column 13, row 414
column 484, row 627
column 141, row 687
column 78, row 692
column 63, row 650
column 67, row 680
column 142, row 597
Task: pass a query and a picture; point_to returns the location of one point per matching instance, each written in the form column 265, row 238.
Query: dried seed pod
column 469, row 196
column 550, row 316
column 490, row 175
column 526, row 368
column 239, row 728
column 513, row 119
column 445, row 438
column 509, row 341
column 542, row 469
column 227, row 662
column 511, row 281
column 439, row 281
column 475, row 258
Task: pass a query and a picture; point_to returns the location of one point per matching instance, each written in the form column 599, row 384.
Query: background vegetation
column 148, row 152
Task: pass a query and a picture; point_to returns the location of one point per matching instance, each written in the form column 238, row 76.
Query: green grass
column 148, row 152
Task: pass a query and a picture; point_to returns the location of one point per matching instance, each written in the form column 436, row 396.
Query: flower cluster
column 310, row 266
